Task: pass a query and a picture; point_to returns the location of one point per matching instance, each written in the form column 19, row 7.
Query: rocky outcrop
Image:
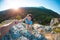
column 55, row 22
column 18, row 32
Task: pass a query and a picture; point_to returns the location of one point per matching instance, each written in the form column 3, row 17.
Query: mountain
column 40, row 14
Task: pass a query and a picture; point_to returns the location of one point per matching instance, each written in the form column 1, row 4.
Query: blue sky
column 50, row 4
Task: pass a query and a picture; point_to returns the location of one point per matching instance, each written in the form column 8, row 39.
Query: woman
column 28, row 21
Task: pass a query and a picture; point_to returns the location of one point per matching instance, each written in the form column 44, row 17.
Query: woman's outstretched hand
column 15, row 22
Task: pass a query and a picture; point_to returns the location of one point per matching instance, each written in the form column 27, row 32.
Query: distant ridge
column 40, row 14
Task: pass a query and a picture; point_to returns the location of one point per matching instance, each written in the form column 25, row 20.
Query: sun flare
column 15, row 8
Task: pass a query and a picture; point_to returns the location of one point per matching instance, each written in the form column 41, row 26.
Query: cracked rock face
column 55, row 21
column 19, row 32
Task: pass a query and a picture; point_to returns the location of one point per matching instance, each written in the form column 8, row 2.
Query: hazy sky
column 50, row 4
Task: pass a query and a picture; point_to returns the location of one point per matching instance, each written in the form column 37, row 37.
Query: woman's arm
column 21, row 20
column 5, row 29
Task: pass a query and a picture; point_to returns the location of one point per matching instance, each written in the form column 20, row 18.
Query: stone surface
column 55, row 21
column 18, row 32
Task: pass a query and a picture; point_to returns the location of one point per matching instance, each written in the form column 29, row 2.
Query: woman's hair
column 30, row 15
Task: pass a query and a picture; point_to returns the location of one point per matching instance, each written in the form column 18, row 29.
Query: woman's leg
column 27, row 26
column 30, row 28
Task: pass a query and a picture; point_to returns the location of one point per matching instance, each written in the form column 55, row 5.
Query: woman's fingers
column 15, row 22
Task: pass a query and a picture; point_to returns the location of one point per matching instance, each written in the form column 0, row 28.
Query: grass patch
column 57, row 30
